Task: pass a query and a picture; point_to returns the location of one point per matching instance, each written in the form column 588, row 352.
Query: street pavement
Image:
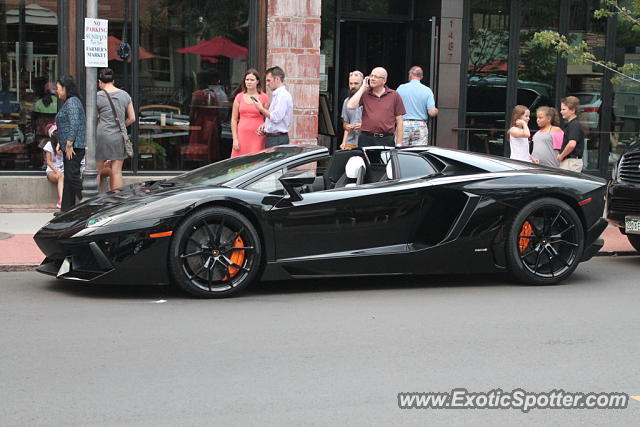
column 323, row 352
column 18, row 251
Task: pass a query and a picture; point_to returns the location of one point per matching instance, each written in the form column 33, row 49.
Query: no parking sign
column 96, row 50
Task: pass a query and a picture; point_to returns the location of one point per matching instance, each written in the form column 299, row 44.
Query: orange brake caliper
column 237, row 257
column 525, row 230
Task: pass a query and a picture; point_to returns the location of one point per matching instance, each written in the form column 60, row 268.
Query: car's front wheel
column 545, row 242
column 215, row 253
column 634, row 239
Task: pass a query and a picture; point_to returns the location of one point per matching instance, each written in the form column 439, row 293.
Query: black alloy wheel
column 215, row 253
column 545, row 242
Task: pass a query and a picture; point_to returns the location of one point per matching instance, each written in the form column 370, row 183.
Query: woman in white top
column 519, row 133
column 55, row 167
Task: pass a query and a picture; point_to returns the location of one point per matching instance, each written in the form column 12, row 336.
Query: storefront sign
column 96, row 51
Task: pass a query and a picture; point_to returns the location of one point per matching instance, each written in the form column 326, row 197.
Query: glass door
column 366, row 45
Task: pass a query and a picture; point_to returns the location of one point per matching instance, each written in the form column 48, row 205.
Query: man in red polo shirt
column 382, row 111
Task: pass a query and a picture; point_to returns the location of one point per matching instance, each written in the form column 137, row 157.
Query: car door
column 358, row 220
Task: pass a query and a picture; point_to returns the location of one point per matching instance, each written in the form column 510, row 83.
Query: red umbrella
column 218, row 46
column 114, row 43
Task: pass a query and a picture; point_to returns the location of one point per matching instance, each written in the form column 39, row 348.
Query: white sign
column 96, row 49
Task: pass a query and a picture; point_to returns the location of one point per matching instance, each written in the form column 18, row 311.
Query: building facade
column 477, row 55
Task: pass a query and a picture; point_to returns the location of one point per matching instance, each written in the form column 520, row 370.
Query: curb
column 618, row 253
column 5, row 268
column 27, row 209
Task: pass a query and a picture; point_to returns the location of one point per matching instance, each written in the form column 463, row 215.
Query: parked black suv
column 486, row 98
column 623, row 195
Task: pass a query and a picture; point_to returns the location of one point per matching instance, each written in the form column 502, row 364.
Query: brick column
column 293, row 43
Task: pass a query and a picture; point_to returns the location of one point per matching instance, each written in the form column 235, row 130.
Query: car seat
column 389, row 172
column 354, row 171
column 336, row 167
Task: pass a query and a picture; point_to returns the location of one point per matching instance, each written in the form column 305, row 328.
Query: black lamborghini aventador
column 297, row 211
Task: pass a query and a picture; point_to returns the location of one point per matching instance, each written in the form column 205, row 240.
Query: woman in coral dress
column 245, row 116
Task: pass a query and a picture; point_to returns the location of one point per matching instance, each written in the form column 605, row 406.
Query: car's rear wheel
column 634, row 239
column 545, row 242
column 215, row 253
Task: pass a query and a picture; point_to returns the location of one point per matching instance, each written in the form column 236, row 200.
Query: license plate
column 632, row 224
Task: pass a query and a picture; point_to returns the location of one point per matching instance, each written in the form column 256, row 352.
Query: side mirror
column 296, row 178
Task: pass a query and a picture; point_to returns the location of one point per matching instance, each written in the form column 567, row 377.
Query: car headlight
column 98, row 221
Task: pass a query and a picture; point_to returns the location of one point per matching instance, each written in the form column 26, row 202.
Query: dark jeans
column 368, row 140
column 72, row 180
column 272, row 141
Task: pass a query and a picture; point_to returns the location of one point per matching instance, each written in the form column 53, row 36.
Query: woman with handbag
column 115, row 113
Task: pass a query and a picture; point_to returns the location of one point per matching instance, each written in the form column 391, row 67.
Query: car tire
column 634, row 239
column 545, row 242
column 215, row 253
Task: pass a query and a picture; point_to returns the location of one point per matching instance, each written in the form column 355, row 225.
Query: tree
column 484, row 47
column 628, row 14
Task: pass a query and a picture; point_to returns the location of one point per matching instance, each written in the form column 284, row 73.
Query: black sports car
column 623, row 195
column 298, row 212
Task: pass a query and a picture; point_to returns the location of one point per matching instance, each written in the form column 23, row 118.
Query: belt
column 276, row 134
column 414, row 120
column 377, row 135
column 573, row 157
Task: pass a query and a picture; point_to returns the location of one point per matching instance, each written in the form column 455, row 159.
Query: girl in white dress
column 54, row 158
column 519, row 133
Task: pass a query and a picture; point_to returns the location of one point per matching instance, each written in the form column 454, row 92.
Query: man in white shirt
column 280, row 112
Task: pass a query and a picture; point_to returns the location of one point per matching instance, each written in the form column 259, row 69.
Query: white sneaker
column 58, row 205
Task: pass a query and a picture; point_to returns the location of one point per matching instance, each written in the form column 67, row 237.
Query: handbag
column 128, row 146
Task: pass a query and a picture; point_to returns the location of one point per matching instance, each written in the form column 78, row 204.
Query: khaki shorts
column 572, row 164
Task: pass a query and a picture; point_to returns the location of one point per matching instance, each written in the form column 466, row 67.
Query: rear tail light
column 591, row 110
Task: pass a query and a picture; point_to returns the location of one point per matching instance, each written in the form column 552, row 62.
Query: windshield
column 226, row 170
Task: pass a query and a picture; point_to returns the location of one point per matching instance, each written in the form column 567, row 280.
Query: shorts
column 416, row 132
column 572, row 164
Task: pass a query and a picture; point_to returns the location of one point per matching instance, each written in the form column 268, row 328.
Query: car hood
column 123, row 202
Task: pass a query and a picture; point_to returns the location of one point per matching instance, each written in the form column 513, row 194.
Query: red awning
column 497, row 65
column 218, row 46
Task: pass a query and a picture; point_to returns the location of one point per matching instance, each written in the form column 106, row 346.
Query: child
column 519, row 133
column 543, row 141
column 570, row 156
column 54, row 158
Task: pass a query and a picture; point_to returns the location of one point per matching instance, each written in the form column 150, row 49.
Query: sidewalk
column 19, row 252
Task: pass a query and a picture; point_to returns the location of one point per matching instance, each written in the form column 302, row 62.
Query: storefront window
column 585, row 80
column 537, row 65
column 625, row 122
column 487, row 76
column 326, row 116
column 193, row 56
column 28, row 64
